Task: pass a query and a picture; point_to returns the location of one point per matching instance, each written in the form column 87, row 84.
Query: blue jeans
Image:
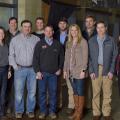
column 3, row 86
column 21, row 77
column 49, row 82
column 78, row 86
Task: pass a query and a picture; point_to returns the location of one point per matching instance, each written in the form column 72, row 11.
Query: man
column 11, row 32
column 89, row 32
column 39, row 23
column 90, row 29
column 39, row 32
column 13, row 29
column 102, row 55
column 48, row 62
column 21, row 57
column 61, row 36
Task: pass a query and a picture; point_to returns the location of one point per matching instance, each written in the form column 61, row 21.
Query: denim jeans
column 24, row 76
column 78, row 86
column 3, row 86
column 49, row 82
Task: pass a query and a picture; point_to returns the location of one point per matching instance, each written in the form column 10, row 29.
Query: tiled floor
column 115, row 108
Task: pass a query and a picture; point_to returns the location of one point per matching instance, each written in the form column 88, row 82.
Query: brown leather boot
column 79, row 115
column 108, row 118
column 96, row 117
column 76, row 107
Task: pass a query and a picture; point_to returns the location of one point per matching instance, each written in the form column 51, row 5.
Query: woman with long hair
column 4, row 65
column 75, row 65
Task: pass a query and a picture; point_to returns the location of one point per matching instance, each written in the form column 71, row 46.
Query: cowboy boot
column 79, row 115
column 76, row 107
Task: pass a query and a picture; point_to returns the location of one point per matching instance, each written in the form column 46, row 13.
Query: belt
column 24, row 66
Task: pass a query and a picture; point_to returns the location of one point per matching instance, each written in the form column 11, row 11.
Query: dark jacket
column 9, row 37
column 41, row 36
column 109, row 55
column 48, row 58
column 86, row 36
column 57, row 37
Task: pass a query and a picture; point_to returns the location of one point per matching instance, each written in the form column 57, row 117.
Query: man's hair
column 101, row 22
column 26, row 21
column 50, row 26
column 63, row 19
column 39, row 18
column 13, row 18
column 90, row 16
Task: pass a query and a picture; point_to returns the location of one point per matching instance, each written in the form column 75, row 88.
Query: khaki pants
column 104, row 84
column 70, row 94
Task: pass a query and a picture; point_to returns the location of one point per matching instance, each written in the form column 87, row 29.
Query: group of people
column 39, row 61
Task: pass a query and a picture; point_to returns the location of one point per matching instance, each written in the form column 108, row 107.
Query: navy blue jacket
column 109, row 55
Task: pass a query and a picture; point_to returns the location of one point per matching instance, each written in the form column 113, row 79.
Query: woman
column 3, row 71
column 75, row 65
column 117, row 71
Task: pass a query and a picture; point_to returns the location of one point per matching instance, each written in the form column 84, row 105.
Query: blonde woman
column 75, row 65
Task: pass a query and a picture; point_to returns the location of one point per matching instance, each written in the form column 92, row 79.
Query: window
column 7, row 1
column 8, row 8
column 5, row 14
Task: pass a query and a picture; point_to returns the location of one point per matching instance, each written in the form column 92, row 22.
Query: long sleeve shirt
column 100, row 44
column 3, row 55
column 63, row 36
column 22, row 49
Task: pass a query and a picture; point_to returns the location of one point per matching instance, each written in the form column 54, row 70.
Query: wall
column 29, row 9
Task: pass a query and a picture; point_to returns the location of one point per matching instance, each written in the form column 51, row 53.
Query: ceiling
column 79, row 3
